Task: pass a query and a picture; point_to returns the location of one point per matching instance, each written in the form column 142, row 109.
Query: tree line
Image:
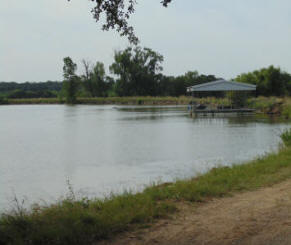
column 270, row 81
column 49, row 89
column 136, row 71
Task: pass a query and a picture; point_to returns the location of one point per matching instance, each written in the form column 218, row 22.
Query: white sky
column 220, row 37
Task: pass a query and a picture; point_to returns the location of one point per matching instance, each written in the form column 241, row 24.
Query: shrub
column 3, row 101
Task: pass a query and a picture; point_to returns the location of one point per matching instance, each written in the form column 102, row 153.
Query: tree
column 269, row 81
column 137, row 70
column 86, row 78
column 98, row 80
column 94, row 80
column 176, row 86
column 117, row 14
column 71, row 81
column 47, row 89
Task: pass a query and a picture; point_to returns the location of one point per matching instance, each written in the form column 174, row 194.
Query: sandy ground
column 261, row 217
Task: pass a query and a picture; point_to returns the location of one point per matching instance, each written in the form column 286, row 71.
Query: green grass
column 72, row 221
column 79, row 222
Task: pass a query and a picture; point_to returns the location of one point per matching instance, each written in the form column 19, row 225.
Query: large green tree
column 137, row 70
column 71, row 81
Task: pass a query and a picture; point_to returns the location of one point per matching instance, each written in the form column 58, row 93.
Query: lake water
column 100, row 149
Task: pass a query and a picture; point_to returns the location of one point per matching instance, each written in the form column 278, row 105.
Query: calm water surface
column 100, row 149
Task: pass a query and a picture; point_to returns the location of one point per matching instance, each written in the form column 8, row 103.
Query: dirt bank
column 261, row 217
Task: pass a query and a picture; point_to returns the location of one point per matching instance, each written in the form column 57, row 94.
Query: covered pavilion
column 221, row 86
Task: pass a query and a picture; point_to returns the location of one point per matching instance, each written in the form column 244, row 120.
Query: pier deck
column 212, row 111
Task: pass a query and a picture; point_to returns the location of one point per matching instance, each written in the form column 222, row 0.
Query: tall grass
column 79, row 221
column 268, row 105
column 84, row 221
column 138, row 100
column 35, row 101
column 146, row 100
column 286, row 137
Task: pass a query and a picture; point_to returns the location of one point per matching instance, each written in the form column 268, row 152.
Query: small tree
column 71, row 81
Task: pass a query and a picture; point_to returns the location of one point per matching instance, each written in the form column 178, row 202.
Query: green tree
column 86, row 79
column 176, row 86
column 98, row 80
column 269, row 81
column 71, row 81
column 47, row 89
column 137, row 70
column 95, row 81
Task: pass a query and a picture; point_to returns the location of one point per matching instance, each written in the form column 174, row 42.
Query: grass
column 84, row 221
column 267, row 105
column 79, row 221
column 35, row 101
column 146, row 100
column 139, row 100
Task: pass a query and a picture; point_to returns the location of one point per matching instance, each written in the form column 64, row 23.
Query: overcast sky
column 220, row 37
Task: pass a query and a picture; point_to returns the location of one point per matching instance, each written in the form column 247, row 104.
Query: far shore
column 147, row 100
column 279, row 106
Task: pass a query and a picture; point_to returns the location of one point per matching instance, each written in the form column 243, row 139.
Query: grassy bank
column 269, row 105
column 147, row 100
column 139, row 100
column 73, row 221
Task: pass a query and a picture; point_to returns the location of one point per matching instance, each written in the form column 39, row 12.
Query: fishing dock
column 221, row 86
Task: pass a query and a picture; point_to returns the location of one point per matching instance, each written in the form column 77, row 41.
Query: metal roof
column 222, row 85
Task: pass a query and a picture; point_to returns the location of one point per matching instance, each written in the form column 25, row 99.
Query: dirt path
column 262, row 217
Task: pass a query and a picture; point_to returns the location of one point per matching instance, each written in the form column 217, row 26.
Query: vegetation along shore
column 84, row 221
column 280, row 106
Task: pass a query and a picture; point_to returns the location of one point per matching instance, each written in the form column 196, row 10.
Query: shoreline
column 280, row 106
column 183, row 100
column 73, row 221
column 235, row 219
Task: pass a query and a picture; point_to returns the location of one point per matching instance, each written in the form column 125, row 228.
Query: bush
column 3, row 101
